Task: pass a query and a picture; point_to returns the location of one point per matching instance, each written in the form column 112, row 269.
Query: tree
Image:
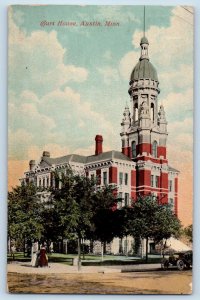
column 149, row 219
column 73, row 204
column 25, row 213
column 107, row 220
column 188, row 232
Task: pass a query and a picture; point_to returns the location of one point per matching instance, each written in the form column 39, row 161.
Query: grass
column 90, row 260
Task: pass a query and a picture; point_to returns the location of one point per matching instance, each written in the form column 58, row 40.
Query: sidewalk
column 58, row 268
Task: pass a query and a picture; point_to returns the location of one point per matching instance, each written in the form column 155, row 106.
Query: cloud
column 127, row 64
column 180, row 78
column 38, row 58
column 74, row 111
column 109, row 74
column 27, row 125
column 179, row 105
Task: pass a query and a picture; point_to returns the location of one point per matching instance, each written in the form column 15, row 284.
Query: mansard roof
column 84, row 159
column 108, row 155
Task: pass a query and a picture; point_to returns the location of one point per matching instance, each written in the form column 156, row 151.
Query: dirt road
column 163, row 282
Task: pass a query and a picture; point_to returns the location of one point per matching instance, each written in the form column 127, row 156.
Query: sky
column 67, row 84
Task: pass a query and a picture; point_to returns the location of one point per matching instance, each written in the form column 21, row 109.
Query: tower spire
column 144, row 21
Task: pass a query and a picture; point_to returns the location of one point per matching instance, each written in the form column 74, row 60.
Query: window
column 171, row 203
column 43, row 182
column 104, row 178
column 154, row 150
column 157, row 181
column 47, row 181
column 133, row 147
column 152, row 112
column 170, row 186
column 123, row 143
column 152, row 180
column 126, row 199
column 136, row 112
column 126, row 179
column 92, row 176
column 40, row 182
column 120, row 200
column 120, row 178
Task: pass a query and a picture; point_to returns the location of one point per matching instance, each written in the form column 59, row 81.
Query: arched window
column 136, row 111
column 152, row 112
column 133, row 148
column 154, row 150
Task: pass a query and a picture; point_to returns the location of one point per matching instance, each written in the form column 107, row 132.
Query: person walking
column 34, row 254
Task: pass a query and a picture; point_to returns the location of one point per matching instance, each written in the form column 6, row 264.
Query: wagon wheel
column 180, row 265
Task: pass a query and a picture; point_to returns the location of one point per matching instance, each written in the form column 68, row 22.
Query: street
column 151, row 282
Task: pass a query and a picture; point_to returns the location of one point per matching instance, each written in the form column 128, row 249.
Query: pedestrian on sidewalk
column 34, row 254
column 43, row 258
column 12, row 251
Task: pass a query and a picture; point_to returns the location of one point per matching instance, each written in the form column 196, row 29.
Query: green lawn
column 89, row 259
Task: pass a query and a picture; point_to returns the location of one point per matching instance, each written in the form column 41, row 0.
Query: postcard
column 100, row 162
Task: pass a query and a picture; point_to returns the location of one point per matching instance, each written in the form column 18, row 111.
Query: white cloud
column 38, row 58
column 127, row 64
column 180, row 78
column 29, row 96
column 75, row 109
column 109, row 74
column 177, row 105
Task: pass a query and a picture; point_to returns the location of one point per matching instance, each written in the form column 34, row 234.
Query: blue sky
column 78, row 76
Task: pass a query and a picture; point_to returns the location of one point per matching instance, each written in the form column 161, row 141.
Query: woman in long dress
column 43, row 259
column 34, row 259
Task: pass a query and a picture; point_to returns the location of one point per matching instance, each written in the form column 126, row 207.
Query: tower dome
column 144, row 69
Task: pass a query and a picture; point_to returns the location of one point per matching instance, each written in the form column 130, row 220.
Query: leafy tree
column 107, row 220
column 73, row 205
column 148, row 219
column 188, row 232
column 24, row 213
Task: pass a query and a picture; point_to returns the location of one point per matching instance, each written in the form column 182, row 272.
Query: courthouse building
column 141, row 167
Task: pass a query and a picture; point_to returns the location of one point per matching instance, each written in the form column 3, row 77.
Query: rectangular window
column 152, row 180
column 120, row 178
column 104, row 178
column 120, row 200
column 170, row 186
column 126, row 179
column 157, row 181
column 171, row 203
column 126, row 199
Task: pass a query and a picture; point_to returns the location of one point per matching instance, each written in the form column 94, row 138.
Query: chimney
column 31, row 165
column 99, row 144
column 46, row 154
